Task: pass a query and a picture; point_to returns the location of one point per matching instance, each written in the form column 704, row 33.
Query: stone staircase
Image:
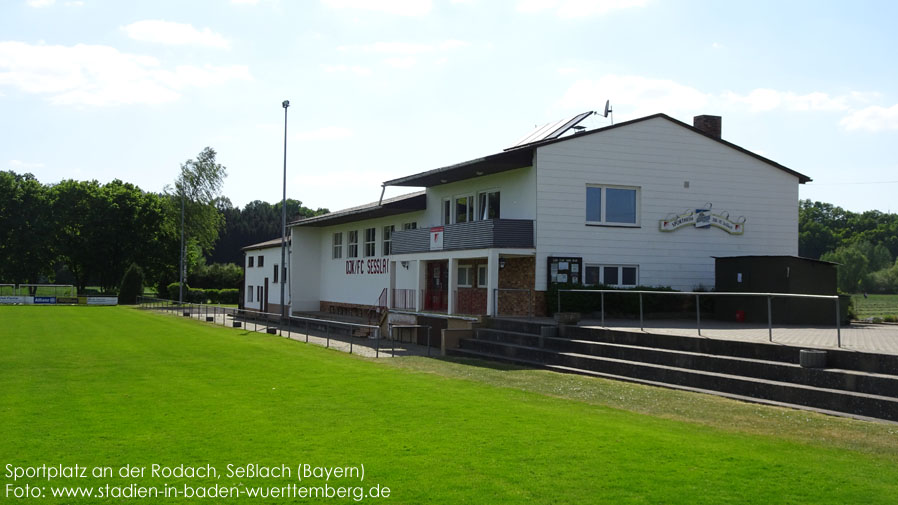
column 854, row 383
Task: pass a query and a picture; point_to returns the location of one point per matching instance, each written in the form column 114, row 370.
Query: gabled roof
column 264, row 245
column 410, row 202
column 523, row 156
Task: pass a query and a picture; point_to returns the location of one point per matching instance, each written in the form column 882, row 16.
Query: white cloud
column 407, row 54
column 872, row 119
column 40, row 3
column 762, row 100
column 23, row 165
column 399, row 7
column 569, row 9
column 633, row 95
column 352, row 69
column 102, row 75
column 175, row 34
column 324, row 134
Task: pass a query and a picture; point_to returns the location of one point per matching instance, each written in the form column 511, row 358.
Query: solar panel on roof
column 551, row 130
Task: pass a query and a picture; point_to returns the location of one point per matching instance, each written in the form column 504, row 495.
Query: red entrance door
column 436, row 295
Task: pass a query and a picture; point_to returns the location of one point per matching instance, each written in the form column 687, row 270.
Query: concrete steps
column 757, row 371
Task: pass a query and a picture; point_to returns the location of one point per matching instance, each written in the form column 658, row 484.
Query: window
column 611, row 275
column 261, row 261
column 249, row 261
column 284, row 277
column 410, row 226
column 482, row 273
column 370, row 238
column 612, row 205
column 464, row 209
column 353, row 251
column 388, row 239
column 464, row 276
column 275, row 275
column 259, row 293
column 249, row 293
column 447, row 211
column 488, row 205
column 338, row 245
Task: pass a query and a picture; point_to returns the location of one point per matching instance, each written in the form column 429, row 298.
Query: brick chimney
column 708, row 124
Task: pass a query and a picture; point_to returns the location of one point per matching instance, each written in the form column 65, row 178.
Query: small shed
column 776, row 274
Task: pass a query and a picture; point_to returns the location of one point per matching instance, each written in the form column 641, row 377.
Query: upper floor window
column 261, row 261
column 488, row 205
column 612, row 205
column 250, row 260
column 410, row 226
column 338, row 245
column 274, row 274
column 388, row 239
column 464, row 208
column 353, row 251
column 370, row 238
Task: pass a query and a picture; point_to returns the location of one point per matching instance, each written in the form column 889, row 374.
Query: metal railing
column 698, row 295
column 293, row 327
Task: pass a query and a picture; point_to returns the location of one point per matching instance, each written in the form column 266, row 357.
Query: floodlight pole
column 181, row 267
column 282, row 275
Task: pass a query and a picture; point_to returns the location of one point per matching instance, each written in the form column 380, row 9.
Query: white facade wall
column 517, row 190
column 256, row 275
column 658, row 156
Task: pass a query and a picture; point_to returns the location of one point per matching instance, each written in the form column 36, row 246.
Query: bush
column 132, row 285
column 229, row 296
column 173, row 290
column 196, row 295
column 213, row 295
column 217, row 275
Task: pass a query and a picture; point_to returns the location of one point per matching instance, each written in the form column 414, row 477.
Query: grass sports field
column 106, row 387
column 875, row 306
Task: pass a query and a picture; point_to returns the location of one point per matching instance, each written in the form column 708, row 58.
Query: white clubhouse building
column 646, row 202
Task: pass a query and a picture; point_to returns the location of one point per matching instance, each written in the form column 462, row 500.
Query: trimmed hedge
column 196, row 295
column 622, row 305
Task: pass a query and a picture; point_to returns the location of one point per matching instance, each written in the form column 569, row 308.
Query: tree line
column 88, row 234
column 865, row 245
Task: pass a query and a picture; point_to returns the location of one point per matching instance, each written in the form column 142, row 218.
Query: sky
column 380, row 89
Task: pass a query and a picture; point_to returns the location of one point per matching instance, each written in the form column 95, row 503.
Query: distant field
column 112, row 386
column 875, row 305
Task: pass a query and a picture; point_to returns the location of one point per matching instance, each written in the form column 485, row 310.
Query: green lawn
column 109, row 386
column 880, row 306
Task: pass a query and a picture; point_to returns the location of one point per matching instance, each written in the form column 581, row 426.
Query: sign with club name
column 371, row 266
column 703, row 218
column 436, row 238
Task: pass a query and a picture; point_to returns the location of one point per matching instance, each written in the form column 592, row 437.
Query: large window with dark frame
column 370, row 242
column 353, row 241
column 612, row 205
column 612, row 275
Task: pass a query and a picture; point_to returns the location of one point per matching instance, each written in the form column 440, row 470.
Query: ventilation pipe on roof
column 710, row 125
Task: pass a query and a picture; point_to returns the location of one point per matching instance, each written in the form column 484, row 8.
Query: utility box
column 776, row 274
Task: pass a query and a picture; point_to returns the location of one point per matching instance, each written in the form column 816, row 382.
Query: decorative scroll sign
column 703, row 218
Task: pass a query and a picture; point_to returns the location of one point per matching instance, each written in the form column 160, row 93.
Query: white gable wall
column 517, row 190
column 255, row 276
column 658, row 156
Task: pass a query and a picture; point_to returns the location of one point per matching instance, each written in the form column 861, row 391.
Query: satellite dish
column 608, row 110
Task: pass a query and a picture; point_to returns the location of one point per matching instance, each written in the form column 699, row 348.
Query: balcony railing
column 486, row 234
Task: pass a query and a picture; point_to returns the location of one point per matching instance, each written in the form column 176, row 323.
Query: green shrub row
column 196, row 295
column 621, row 305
